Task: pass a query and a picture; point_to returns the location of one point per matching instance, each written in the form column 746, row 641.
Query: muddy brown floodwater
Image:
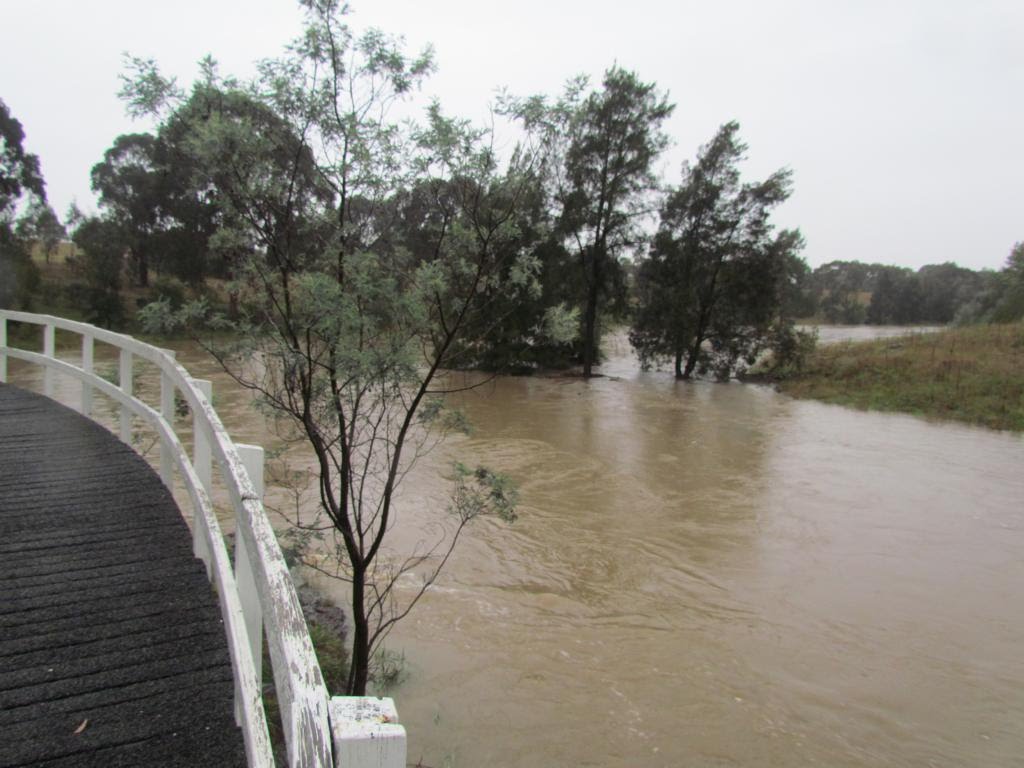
column 715, row 575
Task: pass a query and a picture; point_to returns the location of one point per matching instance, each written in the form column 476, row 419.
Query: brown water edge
column 714, row 575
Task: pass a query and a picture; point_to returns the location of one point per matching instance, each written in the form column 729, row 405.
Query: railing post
column 252, row 458
column 48, row 350
column 202, row 462
column 167, row 411
column 3, row 349
column 365, row 731
column 125, row 366
column 87, row 366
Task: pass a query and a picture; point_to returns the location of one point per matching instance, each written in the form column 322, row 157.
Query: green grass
column 973, row 374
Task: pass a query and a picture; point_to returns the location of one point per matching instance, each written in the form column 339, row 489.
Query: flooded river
column 715, row 575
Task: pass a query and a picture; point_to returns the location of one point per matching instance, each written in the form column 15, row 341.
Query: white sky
column 901, row 120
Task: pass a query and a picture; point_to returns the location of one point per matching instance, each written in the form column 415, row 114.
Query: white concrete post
column 252, row 458
column 203, row 464
column 167, row 411
column 200, row 541
column 3, row 349
column 87, row 366
column 48, row 350
column 366, row 733
column 201, row 456
column 125, row 366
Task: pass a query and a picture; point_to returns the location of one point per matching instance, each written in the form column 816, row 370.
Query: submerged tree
column 343, row 330
column 602, row 148
column 713, row 289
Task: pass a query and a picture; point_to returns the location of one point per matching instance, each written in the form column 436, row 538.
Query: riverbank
column 973, row 374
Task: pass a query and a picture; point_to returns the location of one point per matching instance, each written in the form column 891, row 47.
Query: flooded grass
column 973, row 374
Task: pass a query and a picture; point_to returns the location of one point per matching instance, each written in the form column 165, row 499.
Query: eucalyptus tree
column 41, row 225
column 128, row 184
column 20, row 178
column 164, row 217
column 602, row 147
column 344, row 331
column 1010, row 306
column 716, row 278
column 100, row 241
column 19, row 170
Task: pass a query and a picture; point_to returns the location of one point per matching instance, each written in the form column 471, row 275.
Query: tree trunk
column 142, row 263
column 590, row 330
column 691, row 359
column 679, row 362
column 359, row 671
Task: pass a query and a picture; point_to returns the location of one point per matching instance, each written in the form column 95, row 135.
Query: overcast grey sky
column 901, row 120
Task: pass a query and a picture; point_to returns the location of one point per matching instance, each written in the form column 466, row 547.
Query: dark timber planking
column 105, row 616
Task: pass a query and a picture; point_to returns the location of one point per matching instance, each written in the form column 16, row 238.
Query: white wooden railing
column 257, row 593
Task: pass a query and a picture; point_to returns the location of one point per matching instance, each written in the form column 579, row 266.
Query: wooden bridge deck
column 112, row 651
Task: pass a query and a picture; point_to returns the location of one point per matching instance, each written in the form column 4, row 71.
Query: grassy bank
column 973, row 374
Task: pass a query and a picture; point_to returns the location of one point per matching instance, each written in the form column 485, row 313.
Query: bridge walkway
column 112, row 650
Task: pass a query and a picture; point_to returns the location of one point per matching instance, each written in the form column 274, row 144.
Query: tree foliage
column 101, row 266
column 601, row 150
column 854, row 292
column 717, row 278
column 20, row 177
column 41, row 225
column 162, row 214
column 1010, row 305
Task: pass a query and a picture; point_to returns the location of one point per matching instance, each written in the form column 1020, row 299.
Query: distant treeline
column 852, row 292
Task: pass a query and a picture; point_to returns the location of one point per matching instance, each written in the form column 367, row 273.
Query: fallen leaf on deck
column 81, row 727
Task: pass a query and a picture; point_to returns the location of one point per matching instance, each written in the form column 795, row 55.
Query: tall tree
column 164, row 216
column 602, row 150
column 715, row 273
column 19, row 170
column 944, row 289
column 42, row 226
column 1010, row 305
column 20, row 176
column 101, row 264
column 841, row 286
column 354, row 330
column 895, row 297
column 128, row 183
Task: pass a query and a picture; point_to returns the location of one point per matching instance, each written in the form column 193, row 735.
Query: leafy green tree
column 945, row 288
column 148, row 187
column 895, row 298
column 353, row 328
column 602, row 147
column 128, row 184
column 20, row 176
column 1010, row 306
column 715, row 281
column 101, row 264
column 841, row 287
column 523, row 331
column 19, row 170
column 799, row 299
column 41, row 225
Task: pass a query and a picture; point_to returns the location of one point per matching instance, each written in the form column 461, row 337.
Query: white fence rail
column 258, row 592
